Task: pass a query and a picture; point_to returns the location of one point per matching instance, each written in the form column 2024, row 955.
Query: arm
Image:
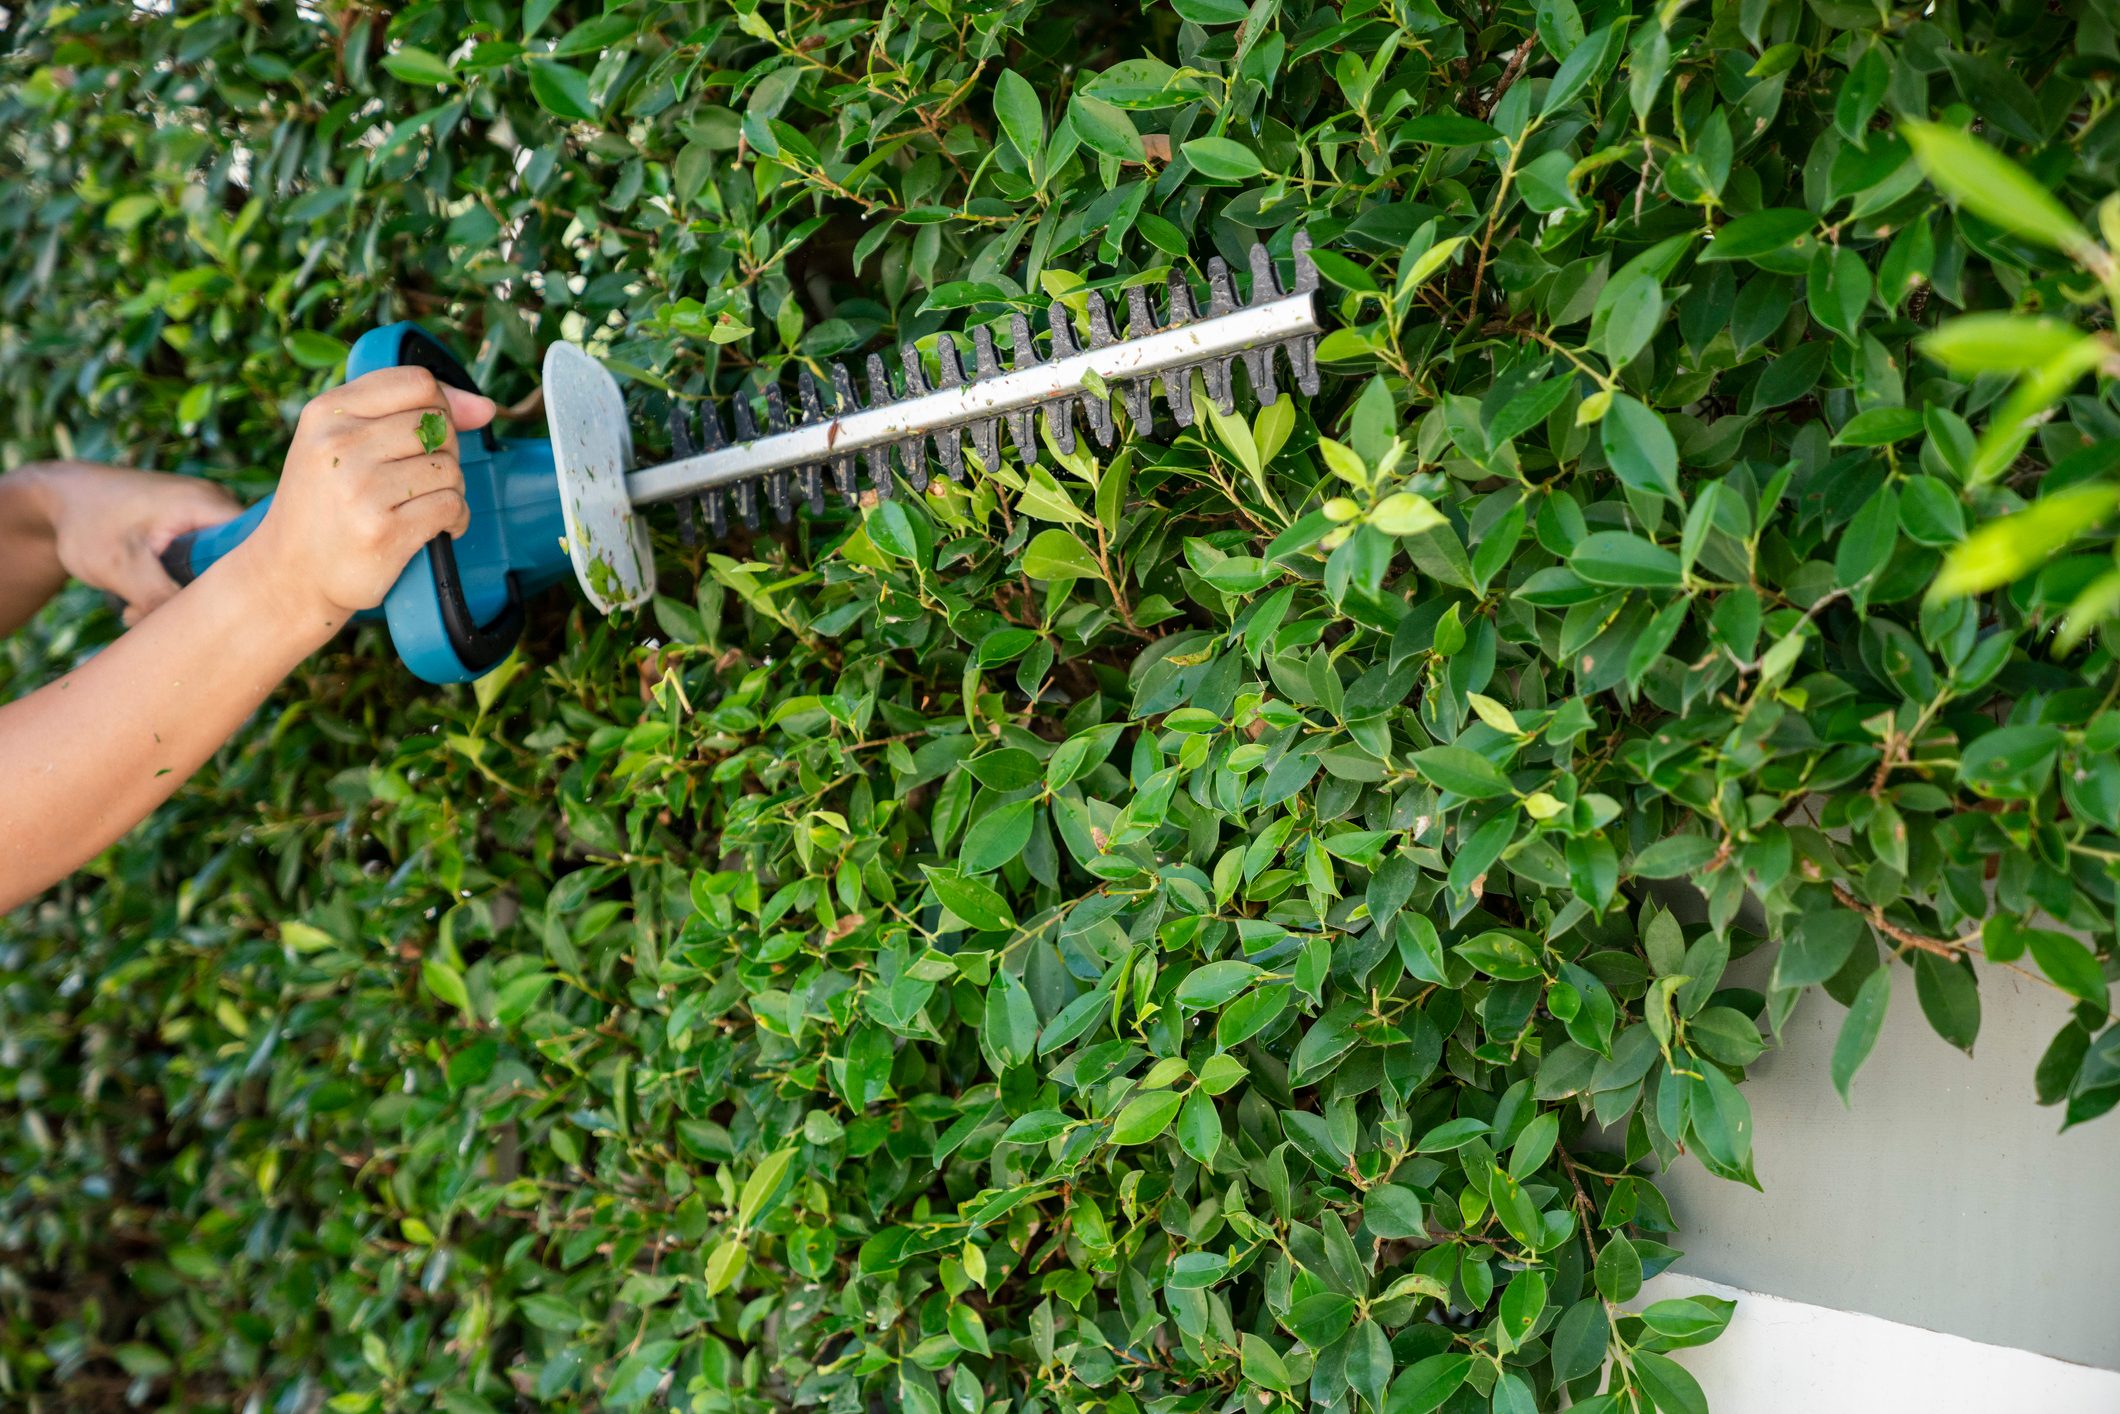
column 103, row 525
column 87, row 757
column 29, row 561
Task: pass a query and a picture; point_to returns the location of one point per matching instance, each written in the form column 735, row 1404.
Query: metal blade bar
column 1174, row 351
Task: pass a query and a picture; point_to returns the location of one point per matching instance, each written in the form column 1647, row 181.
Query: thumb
column 468, row 411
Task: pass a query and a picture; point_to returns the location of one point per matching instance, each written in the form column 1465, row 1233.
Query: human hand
column 363, row 489
column 109, row 525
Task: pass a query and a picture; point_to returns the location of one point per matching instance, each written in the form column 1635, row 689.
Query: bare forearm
column 29, row 556
column 87, row 757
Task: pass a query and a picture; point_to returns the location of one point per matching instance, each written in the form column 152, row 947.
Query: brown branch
column 1509, row 74
column 1938, row 946
column 1583, row 1201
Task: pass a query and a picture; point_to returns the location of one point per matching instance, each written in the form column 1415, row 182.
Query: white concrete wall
column 1786, row 1357
column 1944, row 1199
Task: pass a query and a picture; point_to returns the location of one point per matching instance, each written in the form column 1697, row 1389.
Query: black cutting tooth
column 1140, row 323
column 1100, row 323
column 1023, row 353
column 1221, row 290
column 1182, row 308
column 1303, row 353
column 1060, row 412
column 746, row 491
column 879, row 457
column 1306, row 268
column 1177, row 393
column 1258, row 363
column 843, row 402
column 780, row 490
column 1095, row 407
column 913, row 450
column 809, row 480
column 681, row 447
column 986, row 432
column 711, row 440
column 949, row 441
column 1177, row 384
column 1216, row 373
column 1265, row 288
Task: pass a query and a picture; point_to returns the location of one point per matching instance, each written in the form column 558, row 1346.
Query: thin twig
column 1940, row 947
column 1509, row 74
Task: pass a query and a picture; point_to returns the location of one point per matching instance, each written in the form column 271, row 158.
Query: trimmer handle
column 190, row 553
column 438, row 630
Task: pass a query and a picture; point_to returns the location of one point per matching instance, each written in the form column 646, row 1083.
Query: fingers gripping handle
column 432, row 590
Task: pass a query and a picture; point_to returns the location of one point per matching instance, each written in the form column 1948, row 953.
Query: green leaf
column 1669, row 1383
column 1523, row 1302
column 1879, row 427
column 1021, row 114
column 314, row 350
column 891, row 526
column 997, row 837
column 1992, row 187
column 1447, row 130
column 417, row 66
column 446, row 984
column 1199, row 1127
column 561, row 90
column 971, row 900
column 1427, row 1384
column 433, row 431
column 1581, row 65
column 1206, row 988
column 1579, row 1340
column 1144, row 1117
column 1858, row 1033
column 1221, row 158
column 1950, row 998
column 968, row 1330
column 1010, row 1023
column 1638, row 444
column 2000, row 343
column 1059, row 555
column 1817, row 946
column 1761, row 233
column 2004, row 551
column 1619, row 557
column 2068, row 964
column 1516, row 1210
column 1105, row 128
column 127, row 212
column 1619, row 1270
column 1211, row 12
column 762, row 1188
column 1390, row 1211
column 1037, row 1127
column 1462, row 771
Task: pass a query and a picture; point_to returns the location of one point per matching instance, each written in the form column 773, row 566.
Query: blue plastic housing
column 514, row 546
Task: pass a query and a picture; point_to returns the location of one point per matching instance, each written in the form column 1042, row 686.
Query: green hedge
column 1186, row 927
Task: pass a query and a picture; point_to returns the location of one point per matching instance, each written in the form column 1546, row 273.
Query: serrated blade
column 1011, row 391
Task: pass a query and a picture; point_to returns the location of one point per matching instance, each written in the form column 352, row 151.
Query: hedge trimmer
column 541, row 505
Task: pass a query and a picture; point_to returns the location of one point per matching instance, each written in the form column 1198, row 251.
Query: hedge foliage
column 1184, row 928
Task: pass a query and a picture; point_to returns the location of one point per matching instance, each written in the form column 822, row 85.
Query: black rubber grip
column 176, row 560
column 478, row 646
